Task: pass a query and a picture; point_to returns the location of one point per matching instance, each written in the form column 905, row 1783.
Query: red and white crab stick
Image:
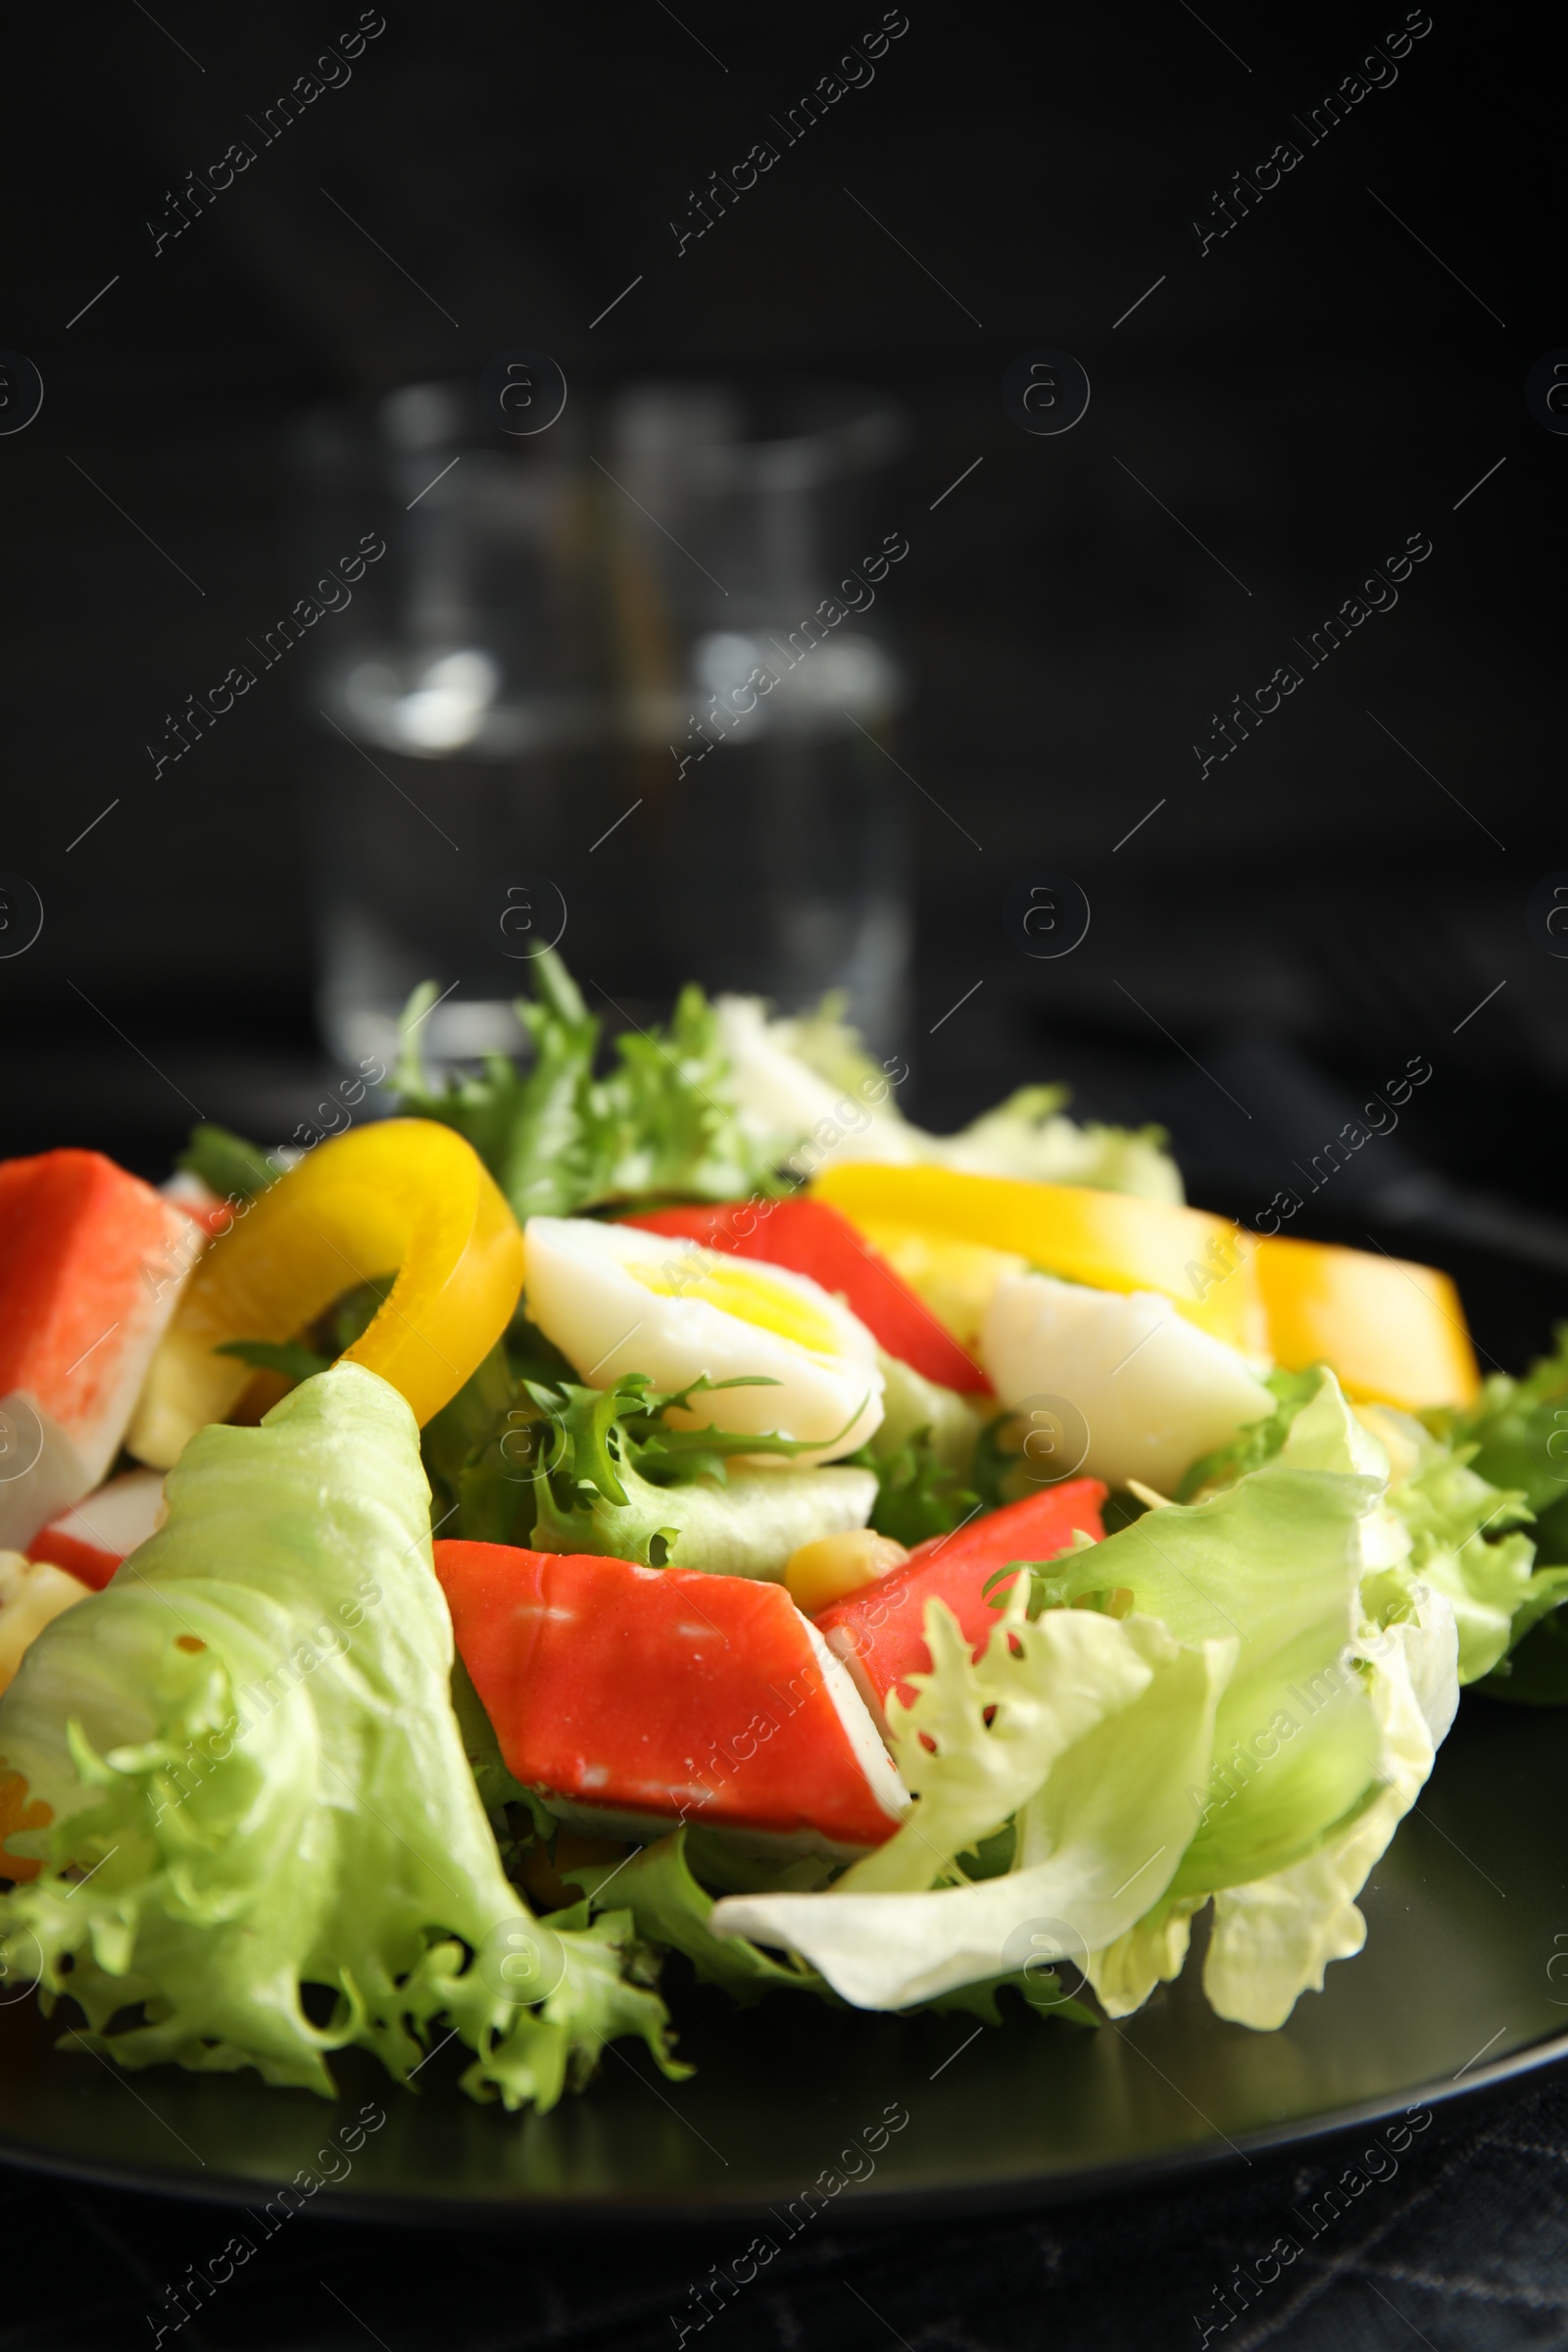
column 633, row 1698
column 106, row 1526
column 91, row 1263
column 879, row 1631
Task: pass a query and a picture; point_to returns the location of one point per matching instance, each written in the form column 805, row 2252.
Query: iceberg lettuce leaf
column 258, row 1783
column 1251, row 1732
column 1125, row 1973
column 669, row 1907
column 1272, row 1939
column 1275, row 1561
column 1099, row 1838
column 1519, row 1429
column 1457, row 1523
column 1030, row 1137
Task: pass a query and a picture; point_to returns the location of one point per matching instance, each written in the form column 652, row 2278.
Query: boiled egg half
column 617, row 1300
column 1153, row 1391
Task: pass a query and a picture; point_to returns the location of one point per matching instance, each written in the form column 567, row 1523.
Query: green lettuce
column 807, row 1091
column 1459, row 1527
column 1250, row 1733
column 1517, row 1433
column 1260, row 1442
column 1459, row 1523
column 558, row 1138
column 672, row 1909
column 1272, row 1939
column 227, row 1163
column 259, row 1785
column 599, row 1470
column 1029, row 1136
column 1090, row 1730
column 923, row 1453
column 1519, row 1429
column 1318, row 1757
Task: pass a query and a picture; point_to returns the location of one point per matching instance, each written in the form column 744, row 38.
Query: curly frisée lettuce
column 1089, row 1731
column 599, row 1470
column 709, row 1107
column 558, row 1138
column 1251, row 1732
column 256, row 1784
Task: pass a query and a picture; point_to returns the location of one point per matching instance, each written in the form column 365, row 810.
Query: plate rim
column 884, row 2208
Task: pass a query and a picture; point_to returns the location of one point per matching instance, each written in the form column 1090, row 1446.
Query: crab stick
column 632, row 1698
column 92, row 1262
column 95, row 1535
column 879, row 1631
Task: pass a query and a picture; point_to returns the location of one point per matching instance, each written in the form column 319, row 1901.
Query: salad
column 658, row 1510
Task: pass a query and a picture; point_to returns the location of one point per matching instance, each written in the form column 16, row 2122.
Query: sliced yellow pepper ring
column 1394, row 1331
column 1111, row 1241
column 405, row 1195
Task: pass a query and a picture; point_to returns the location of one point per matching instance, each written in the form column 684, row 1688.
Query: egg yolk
column 743, row 1292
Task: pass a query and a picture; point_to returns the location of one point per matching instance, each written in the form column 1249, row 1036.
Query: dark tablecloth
column 1462, row 2241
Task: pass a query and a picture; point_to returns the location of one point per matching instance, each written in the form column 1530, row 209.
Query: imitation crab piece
column 632, row 1698
column 879, row 1632
column 92, row 1262
column 95, row 1535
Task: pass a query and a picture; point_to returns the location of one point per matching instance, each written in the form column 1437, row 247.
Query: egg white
column 1155, row 1392
column 616, row 1299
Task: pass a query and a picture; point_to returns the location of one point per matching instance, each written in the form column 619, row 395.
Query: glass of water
column 625, row 685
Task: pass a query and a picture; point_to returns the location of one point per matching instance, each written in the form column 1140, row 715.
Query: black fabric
column 1459, row 2239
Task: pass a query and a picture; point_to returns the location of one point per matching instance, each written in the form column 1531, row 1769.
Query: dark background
column 1306, row 395
column 1320, row 908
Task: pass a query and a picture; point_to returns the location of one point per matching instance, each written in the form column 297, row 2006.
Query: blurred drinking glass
column 624, row 683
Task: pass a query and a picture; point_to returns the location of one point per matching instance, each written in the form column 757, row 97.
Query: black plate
column 1457, row 1990
column 1452, row 1991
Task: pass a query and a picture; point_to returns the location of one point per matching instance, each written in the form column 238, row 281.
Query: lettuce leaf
column 1458, row 1524
column 609, row 1476
column 1119, row 1718
column 1253, row 1732
column 1260, row 1442
column 1029, row 1136
column 227, row 1163
column 1457, row 1521
column 1519, row 1429
column 923, row 1453
column 258, row 1783
column 1275, row 1560
column 1272, row 1939
column 668, row 1907
column 1387, row 1698
column 808, row 1093
column 672, row 1909
column 558, row 1138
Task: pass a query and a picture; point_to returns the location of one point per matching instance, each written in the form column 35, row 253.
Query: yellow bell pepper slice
column 953, row 1279
column 408, row 1197
column 1394, row 1331
column 1111, row 1241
